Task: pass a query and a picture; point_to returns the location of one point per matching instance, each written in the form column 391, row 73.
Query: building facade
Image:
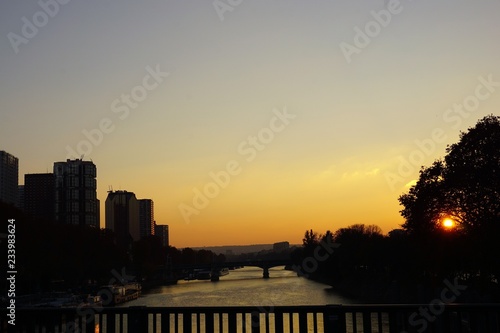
column 161, row 231
column 122, row 216
column 281, row 246
column 40, row 195
column 76, row 193
column 146, row 217
column 9, row 178
column 20, row 197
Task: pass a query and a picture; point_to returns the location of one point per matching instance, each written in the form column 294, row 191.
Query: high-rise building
column 161, row 231
column 122, row 216
column 76, row 193
column 9, row 178
column 146, row 217
column 20, row 197
column 39, row 195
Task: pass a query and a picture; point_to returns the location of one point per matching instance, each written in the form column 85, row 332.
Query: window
column 73, row 207
column 90, row 220
column 90, row 170
column 90, row 207
column 72, row 181
column 90, row 195
column 90, row 182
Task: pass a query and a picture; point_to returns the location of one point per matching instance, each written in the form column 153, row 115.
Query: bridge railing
column 277, row 319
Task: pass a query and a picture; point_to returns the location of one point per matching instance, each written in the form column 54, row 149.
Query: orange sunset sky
column 319, row 114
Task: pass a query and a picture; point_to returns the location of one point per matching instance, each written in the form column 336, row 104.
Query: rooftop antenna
column 81, row 157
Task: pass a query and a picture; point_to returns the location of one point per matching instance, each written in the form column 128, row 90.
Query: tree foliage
column 311, row 239
column 464, row 186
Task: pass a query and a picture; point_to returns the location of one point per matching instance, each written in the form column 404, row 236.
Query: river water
column 243, row 287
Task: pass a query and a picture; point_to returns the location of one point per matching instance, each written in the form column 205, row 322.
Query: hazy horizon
column 285, row 116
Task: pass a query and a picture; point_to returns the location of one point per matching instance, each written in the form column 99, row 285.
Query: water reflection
column 243, row 287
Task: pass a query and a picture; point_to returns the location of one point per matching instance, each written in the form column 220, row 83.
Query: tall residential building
column 146, row 217
column 76, row 193
column 9, row 178
column 122, row 216
column 20, row 197
column 162, row 232
column 39, row 195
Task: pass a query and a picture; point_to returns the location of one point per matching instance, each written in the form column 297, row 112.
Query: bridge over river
column 217, row 266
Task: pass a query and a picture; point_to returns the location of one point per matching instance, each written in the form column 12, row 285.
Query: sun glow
column 448, row 223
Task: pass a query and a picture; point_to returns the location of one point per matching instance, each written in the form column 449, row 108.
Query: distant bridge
column 264, row 264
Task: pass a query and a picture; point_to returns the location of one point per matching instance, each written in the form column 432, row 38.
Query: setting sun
column 448, row 223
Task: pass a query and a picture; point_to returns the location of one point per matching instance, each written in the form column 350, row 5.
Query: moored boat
column 204, row 275
column 123, row 293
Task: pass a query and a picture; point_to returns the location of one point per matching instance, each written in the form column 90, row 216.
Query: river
column 243, row 287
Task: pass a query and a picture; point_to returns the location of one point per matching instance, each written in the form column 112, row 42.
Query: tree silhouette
column 426, row 201
column 328, row 237
column 473, row 172
column 464, row 186
column 360, row 247
column 311, row 239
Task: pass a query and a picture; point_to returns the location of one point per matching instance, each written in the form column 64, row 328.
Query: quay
column 251, row 319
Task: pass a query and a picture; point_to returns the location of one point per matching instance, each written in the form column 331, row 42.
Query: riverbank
column 379, row 291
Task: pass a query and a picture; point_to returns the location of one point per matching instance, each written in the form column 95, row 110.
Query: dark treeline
column 262, row 255
column 57, row 257
column 413, row 263
column 188, row 256
column 398, row 267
